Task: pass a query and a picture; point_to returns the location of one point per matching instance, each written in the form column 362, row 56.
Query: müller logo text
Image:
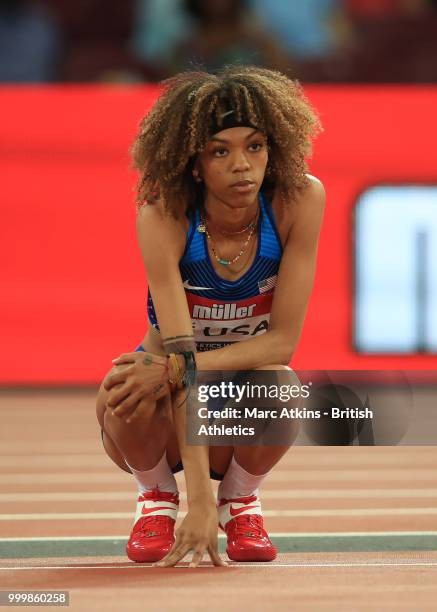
column 222, row 311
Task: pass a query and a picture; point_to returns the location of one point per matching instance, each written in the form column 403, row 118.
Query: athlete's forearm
column 194, row 458
column 266, row 349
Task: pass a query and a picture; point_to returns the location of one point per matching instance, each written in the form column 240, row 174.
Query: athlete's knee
column 148, row 420
column 102, row 396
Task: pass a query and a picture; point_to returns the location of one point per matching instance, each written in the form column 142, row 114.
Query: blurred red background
column 73, row 283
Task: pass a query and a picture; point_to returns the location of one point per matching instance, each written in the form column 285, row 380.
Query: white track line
column 262, row 566
column 266, row 494
column 331, row 512
column 115, row 478
column 277, row 534
column 288, row 476
column 293, row 460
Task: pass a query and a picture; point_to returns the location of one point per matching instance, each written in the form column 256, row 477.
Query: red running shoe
column 153, row 532
column 242, row 520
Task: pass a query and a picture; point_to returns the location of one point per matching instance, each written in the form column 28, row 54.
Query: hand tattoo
column 148, row 359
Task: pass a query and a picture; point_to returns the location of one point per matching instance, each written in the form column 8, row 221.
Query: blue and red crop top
column 224, row 311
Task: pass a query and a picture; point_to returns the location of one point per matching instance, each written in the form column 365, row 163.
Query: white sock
column 160, row 476
column 238, row 483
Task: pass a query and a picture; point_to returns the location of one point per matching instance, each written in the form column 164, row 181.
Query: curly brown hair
column 178, row 127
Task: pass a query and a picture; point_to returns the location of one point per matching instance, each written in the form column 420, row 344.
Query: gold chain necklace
column 247, row 227
column 202, row 227
column 226, row 262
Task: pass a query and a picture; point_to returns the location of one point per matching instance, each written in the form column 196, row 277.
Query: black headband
column 228, row 117
column 229, row 120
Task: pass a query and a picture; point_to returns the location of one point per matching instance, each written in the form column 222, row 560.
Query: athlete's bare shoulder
column 158, row 231
column 308, row 211
column 315, row 185
column 311, row 196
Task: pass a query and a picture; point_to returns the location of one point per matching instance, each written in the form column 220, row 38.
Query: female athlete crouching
column 229, row 241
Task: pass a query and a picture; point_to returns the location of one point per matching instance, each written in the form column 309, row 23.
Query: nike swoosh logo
column 187, row 285
column 235, row 511
column 149, row 510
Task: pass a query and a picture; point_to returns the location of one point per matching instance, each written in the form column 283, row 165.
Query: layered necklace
column 250, row 227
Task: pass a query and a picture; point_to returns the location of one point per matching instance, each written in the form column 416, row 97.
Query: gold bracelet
column 177, row 370
column 173, row 383
column 179, row 373
column 170, row 381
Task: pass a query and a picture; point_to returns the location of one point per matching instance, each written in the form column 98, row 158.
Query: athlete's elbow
column 284, row 349
column 286, row 355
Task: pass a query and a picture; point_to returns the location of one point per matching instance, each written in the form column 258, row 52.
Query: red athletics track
column 358, row 526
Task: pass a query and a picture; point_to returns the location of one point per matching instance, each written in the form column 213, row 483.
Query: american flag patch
column 267, row 284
